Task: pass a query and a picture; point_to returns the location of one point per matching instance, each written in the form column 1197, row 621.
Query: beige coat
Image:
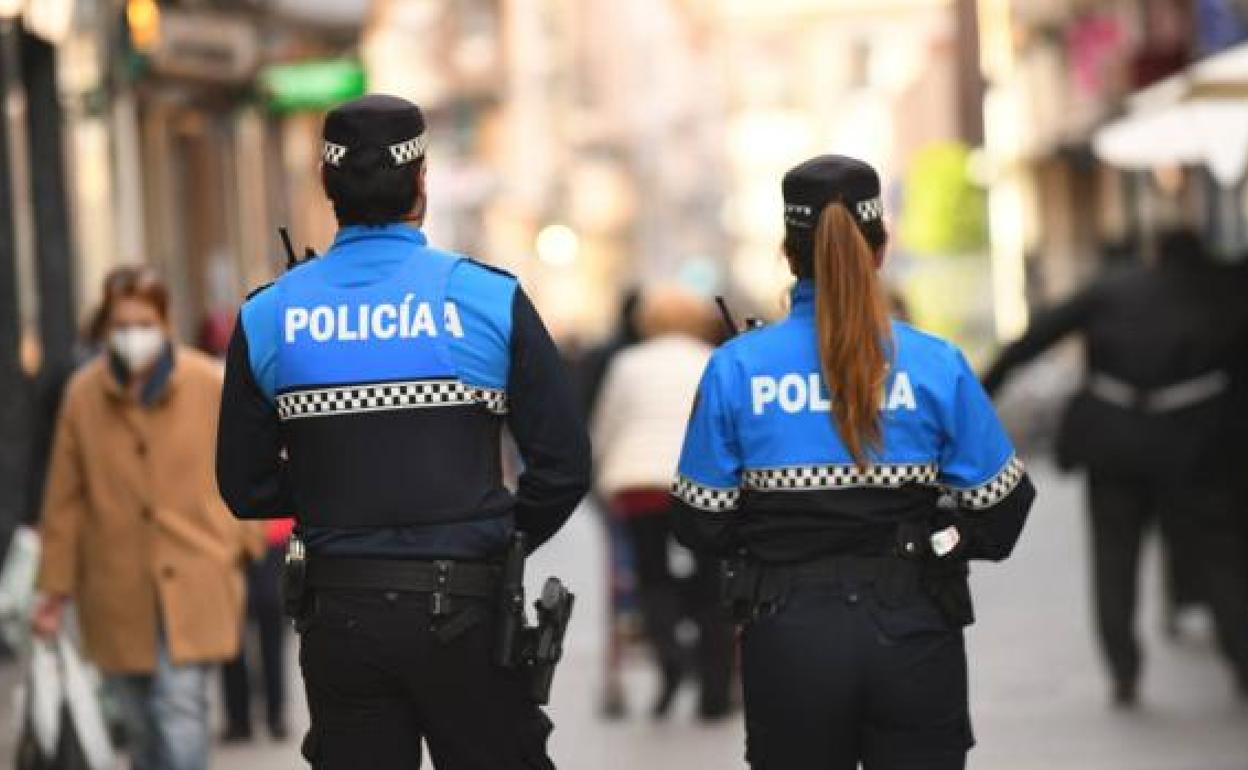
column 640, row 418
column 133, row 527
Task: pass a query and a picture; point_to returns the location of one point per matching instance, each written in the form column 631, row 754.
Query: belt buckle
column 440, row 599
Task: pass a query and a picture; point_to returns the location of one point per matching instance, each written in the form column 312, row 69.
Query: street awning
column 1212, row 132
column 1198, row 117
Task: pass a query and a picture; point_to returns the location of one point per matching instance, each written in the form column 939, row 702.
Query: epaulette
column 258, row 289
column 492, row 268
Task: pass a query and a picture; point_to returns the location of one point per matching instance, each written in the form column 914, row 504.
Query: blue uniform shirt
column 391, row 366
column 762, row 454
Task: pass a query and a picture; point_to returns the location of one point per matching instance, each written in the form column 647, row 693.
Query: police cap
column 811, row 186
column 372, row 131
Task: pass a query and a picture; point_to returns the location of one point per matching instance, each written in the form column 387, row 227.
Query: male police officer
column 365, row 392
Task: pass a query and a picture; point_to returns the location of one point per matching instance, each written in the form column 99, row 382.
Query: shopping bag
column 62, row 725
column 81, row 688
column 17, row 586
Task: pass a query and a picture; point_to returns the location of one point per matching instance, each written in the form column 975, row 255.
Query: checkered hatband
column 386, row 396
column 333, row 153
column 799, row 216
column 992, row 491
column 406, row 152
column 822, row 477
column 710, row 499
column 870, row 210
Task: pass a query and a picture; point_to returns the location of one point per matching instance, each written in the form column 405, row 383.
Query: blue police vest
column 762, row 441
column 380, row 430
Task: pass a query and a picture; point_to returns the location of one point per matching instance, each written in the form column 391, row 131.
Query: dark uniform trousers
column 379, row 679
column 1200, row 519
column 837, row 677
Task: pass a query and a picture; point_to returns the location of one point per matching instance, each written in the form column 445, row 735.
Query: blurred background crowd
column 623, row 159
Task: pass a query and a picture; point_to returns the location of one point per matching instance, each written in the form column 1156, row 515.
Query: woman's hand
column 46, row 621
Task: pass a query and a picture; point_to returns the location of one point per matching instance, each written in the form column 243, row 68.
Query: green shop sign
column 311, row 85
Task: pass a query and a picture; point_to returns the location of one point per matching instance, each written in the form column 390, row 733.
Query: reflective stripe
column 710, row 499
column 840, row 476
column 1169, row 398
column 385, row 396
column 992, row 491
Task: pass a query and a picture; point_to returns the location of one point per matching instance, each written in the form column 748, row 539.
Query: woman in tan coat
column 134, row 532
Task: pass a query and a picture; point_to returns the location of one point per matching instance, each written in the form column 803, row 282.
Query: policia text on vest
column 366, row 393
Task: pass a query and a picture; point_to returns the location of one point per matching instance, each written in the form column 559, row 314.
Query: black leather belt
column 450, row 578
column 852, row 569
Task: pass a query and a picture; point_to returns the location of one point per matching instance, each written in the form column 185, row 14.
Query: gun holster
column 294, row 583
column 748, row 591
column 533, row 649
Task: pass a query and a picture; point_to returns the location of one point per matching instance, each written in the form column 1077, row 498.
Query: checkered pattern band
column 710, row 499
column 870, row 210
column 798, row 215
column 992, row 491
column 840, row 477
column 384, row 396
column 406, row 152
column 333, row 153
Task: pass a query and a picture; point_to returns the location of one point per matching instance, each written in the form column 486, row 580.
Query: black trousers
column 379, row 678
column 1198, row 518
column 836, row 678
column 264, row 608
column 666, row 601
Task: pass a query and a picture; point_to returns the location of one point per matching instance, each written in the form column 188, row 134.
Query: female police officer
column 853, row 464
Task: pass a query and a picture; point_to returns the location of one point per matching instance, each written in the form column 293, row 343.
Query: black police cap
column 376, row 128
column 811, row 186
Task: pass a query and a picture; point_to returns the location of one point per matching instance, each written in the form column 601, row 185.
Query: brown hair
column 668, row 309
column 852, row 328
column 133, row 282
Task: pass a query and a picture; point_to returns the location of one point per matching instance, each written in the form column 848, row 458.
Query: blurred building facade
column 1057, row 71
column 562, row 151
column 139, row 131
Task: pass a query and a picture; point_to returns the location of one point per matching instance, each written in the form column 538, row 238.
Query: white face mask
column 137, row 346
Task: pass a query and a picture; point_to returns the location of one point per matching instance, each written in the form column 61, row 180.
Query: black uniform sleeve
column 250, row 472
column 545, row 419
column 992, row 532
column 1045, row 330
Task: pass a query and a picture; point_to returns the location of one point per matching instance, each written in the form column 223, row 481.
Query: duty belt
column 751, row 589
column 1169, row 398
column 441, row 579
column 893, row 577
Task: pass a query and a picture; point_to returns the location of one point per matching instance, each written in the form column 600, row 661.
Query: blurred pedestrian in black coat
column 1159, row 426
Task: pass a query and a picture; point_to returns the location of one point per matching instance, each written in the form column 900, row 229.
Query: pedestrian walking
column 265, row 614
column 366, row 391
column 133, row 531
column 1158, row 426
column 637, row 431
column 591, row 373
column 817, row 458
